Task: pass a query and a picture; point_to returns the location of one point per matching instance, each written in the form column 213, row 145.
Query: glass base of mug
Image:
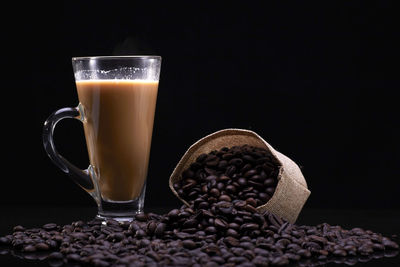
column 118, row 219
column 121, row 211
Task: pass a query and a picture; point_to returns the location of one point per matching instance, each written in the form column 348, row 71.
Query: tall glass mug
column 117, row 101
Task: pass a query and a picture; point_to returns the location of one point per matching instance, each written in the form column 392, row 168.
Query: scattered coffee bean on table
column 221, row 227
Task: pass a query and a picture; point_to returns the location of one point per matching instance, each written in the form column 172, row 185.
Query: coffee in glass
column 117, row 100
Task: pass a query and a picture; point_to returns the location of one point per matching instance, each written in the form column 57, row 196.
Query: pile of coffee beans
column 184, row 237
column 240, row 172
column 221, row 227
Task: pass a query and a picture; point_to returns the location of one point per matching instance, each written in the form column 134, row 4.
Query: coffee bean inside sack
column 240, row 172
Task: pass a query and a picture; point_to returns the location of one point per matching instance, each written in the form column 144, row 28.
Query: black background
column 318, row 80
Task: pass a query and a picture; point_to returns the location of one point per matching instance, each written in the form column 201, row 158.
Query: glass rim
column 117, row 57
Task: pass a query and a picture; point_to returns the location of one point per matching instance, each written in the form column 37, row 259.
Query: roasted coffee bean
column 153, row 255
column 270, row 190
column 250, row 209
column 220, row 223
column 100, row 263
column 183, row 214
column 212, row 179
column 260, row 261
column 242, row 181
column 190, row 223
column 250, row 195
column 246, row 245
column 201, row 158
column 245, row 168
column 225, row 198
column 262, row 160
column 73, row 257
column 269, row 182
column 248, row 158
column 220, row 186
column 227, row 156
column 231, row 241
column 211, row 157
column 258, row 218
column 55, row 256
column 49, row 226
column 190, row 183
column 81, row 236
column 42, row 246
column 280, row 261
column 235, row 161
column 222, row 164
column 292, row 256
column 250, row 173
column 231, row 189
column 29, row 248
column 210, row 230
column 160, row 229
column 233, row 233
column 144, row 243
column 151, row 227
column 52, row 244
column 237, row 260
column 390, row 244
column 223, row 178
column 5, row 241
column 140, row 233
column 18, row 228
column 380, row 247
column 340, row 252
column 256, row 185
column 189, row 244
column 249, row 227
column 204, row 188
column 230, row 170
column 258, row 178
column 250, row 201
column 212, row 163
column 214, row 192
column 238, row 220
column 142, row 217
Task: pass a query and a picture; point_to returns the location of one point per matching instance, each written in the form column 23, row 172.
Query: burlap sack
column 291, row 191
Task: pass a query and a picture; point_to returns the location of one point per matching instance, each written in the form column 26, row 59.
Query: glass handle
column 81, row 177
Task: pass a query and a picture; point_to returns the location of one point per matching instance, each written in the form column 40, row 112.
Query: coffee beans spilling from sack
column 221, row 225
column 243, row 166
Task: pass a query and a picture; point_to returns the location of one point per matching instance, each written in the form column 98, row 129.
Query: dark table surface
column 386, row 222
